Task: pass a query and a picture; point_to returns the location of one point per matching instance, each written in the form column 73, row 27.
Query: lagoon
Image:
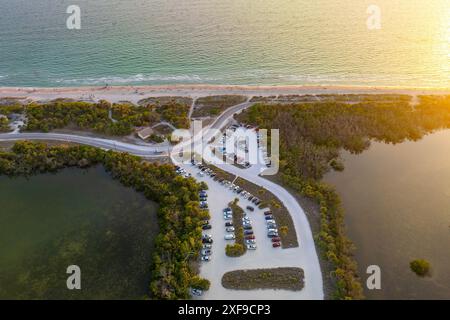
column 74, row 217
column 397, row 208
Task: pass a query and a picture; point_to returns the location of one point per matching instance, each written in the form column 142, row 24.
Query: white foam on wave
column 137, row 78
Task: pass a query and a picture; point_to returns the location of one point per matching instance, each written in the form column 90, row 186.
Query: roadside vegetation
column 213, row 106
column 4, row 124
column 277, row 278
column 311, row 138
column 179, row 240
column 238, row 248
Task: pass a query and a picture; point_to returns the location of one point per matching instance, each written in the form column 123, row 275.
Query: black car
column 250, row 208
column 248, row 232
column 248, row 228
column 268, row 217
column 203, row 199
column 250, row 198
column 206, row 240
column 228, row 224
column 206, row 227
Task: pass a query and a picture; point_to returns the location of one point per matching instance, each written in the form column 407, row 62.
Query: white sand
column 136, row 93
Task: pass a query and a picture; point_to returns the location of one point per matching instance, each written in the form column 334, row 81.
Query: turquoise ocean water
column 225, row 42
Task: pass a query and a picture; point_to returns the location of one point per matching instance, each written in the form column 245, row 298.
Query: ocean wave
column 136, row 79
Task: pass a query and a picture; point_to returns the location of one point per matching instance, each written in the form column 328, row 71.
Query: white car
column 196, row 292
column 273, row 230
column 251, row 246
column 230, row 229
column 230, row 236
column 207, row 246
column 250, row 241
column 270, row 221
column 206, row 258
column 201, row 174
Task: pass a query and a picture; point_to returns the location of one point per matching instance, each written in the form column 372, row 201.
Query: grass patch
column 238, row 248
column 276, row 278
column 215, row 105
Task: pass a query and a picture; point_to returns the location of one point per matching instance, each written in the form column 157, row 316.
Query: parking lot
column 265, row 256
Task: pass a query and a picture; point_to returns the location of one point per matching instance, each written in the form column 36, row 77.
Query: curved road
column 310, row 261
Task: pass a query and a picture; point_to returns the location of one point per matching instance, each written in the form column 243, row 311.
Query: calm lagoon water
column 85, row 218
column 225, row 42
column 397, row 208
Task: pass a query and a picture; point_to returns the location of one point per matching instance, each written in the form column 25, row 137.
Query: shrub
column 421, row 267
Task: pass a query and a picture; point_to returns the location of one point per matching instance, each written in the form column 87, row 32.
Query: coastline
column 136, row 93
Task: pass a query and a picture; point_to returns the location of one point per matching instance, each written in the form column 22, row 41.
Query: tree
column 421, row 267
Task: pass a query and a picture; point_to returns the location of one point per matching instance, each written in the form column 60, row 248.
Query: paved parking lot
column 265, row 256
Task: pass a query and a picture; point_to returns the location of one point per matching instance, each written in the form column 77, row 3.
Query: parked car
column 206, row 240
column 250, row 237
column 196, row 292
column 228, row 224
column 250, row 208
column 276, row 244
column 203, row 199
column 250, row 241
column 206, row 252
column 272, row 235
column 248, row 232
column 276, row 239
column 268, row 217
column 268, row 213
column 230, row 236
column 206, row 258
column 270, row 221
column 273, row 230
column 271, row 226
column 250, row 198
column 207, row 246
column 229, row 229
column 206, row 227
column 251, row 246
column 248, row 227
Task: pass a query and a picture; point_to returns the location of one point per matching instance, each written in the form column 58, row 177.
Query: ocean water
column 225, row 42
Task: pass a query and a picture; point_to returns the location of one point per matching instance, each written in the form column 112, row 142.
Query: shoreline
column 136, row 93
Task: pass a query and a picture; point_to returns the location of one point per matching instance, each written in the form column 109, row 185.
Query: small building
column 145, row 133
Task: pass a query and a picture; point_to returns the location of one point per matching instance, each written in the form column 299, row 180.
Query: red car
column 276, row 244
column 268, row 213
column 250, row 237
column 277, row 239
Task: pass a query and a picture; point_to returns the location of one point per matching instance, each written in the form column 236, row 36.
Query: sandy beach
column 136, row 93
